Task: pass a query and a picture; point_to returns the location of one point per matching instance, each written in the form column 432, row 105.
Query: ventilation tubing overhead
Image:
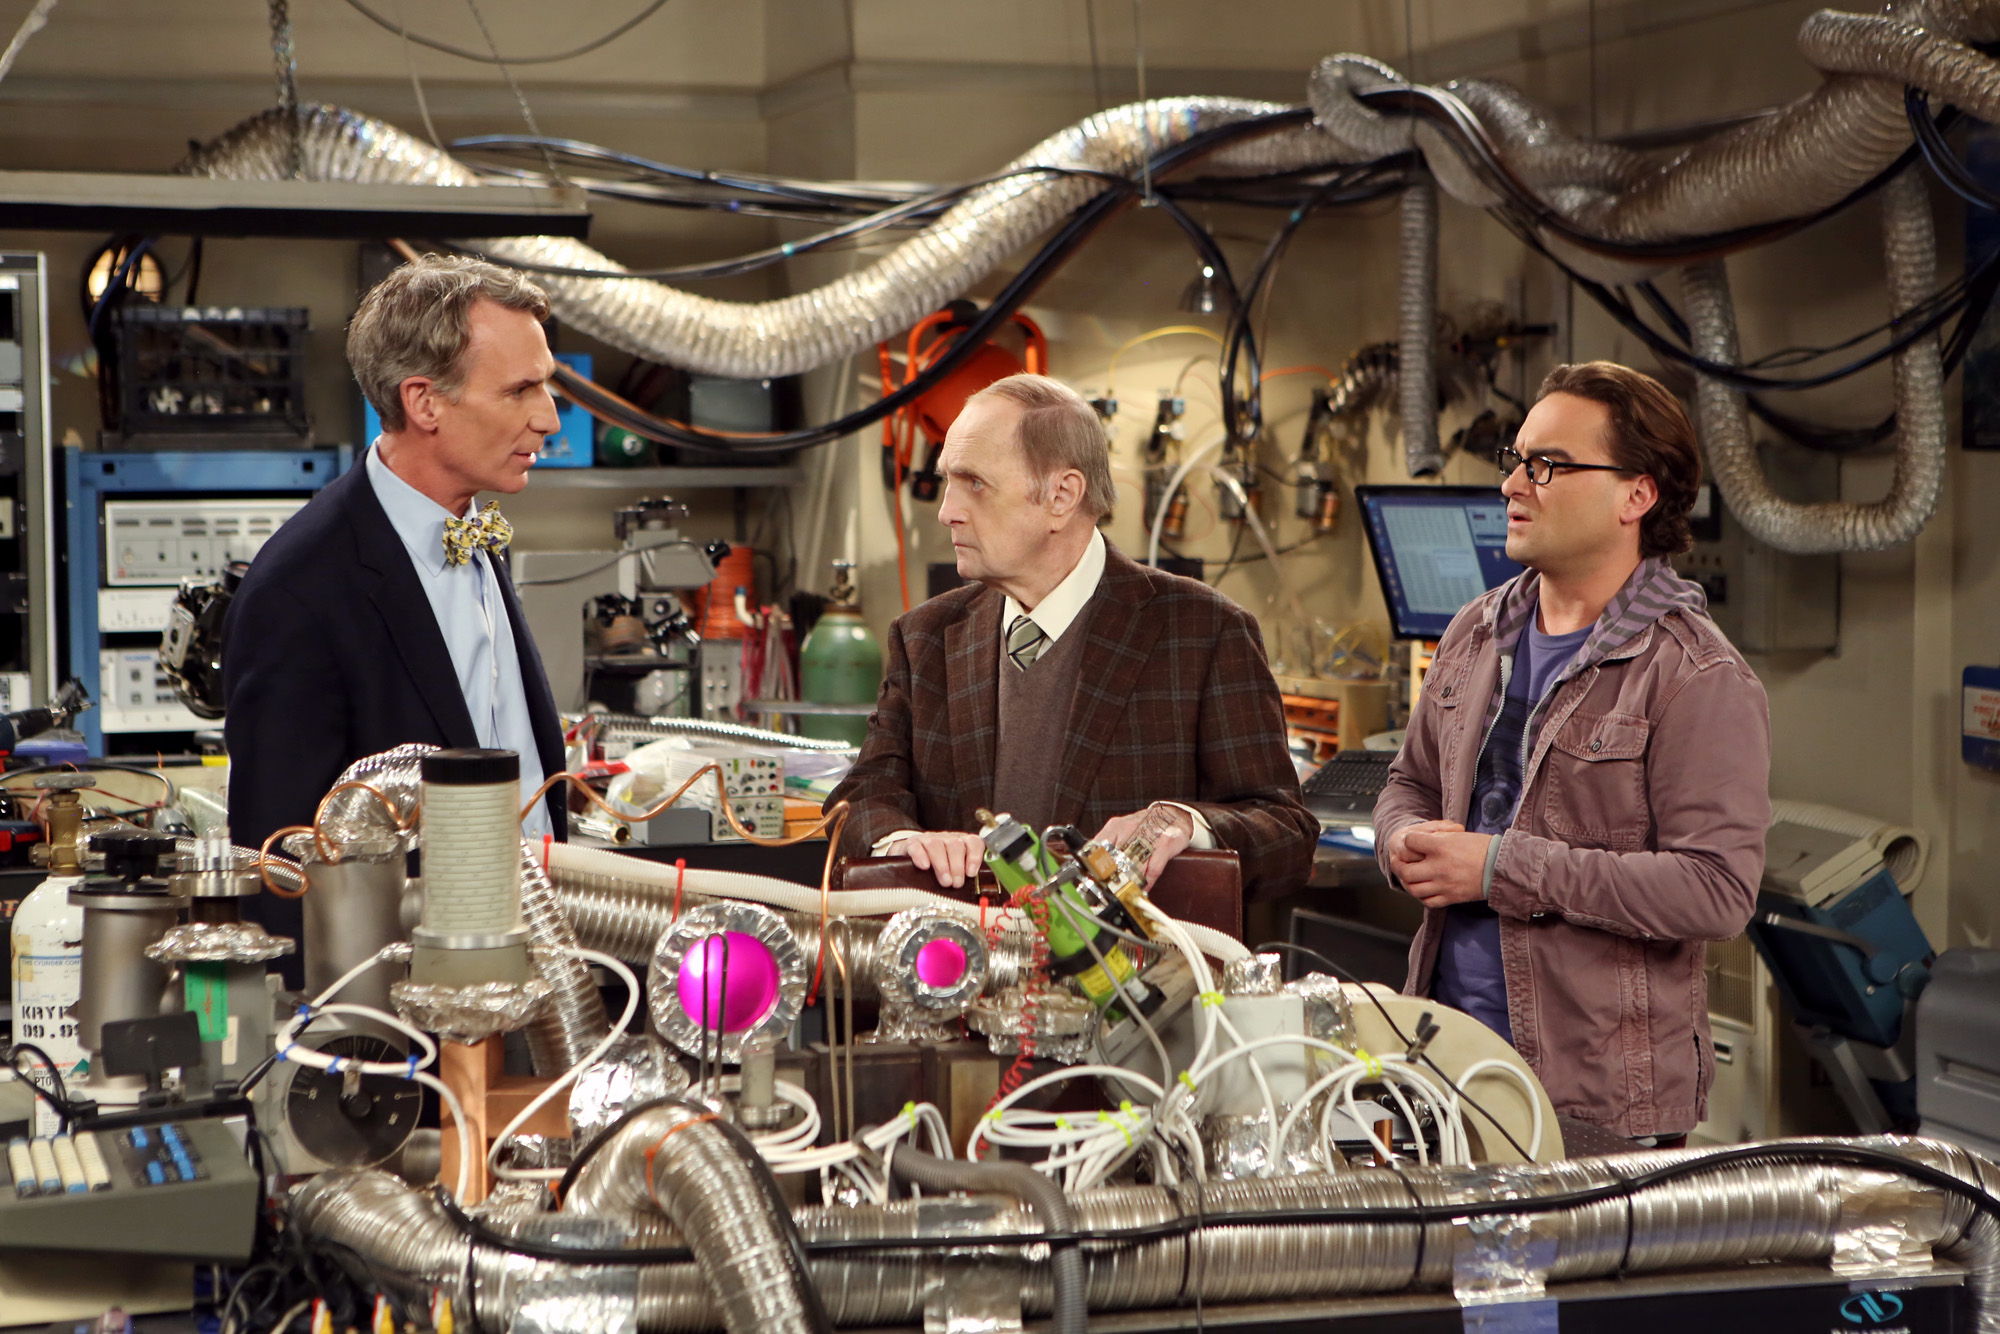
column 1416, row 311
column 755, row 340
column 1910, row 250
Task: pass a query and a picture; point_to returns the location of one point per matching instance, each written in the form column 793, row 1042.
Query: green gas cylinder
column 840, row 663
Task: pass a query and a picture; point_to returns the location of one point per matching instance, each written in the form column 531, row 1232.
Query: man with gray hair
column 382, row 613
column 1066, row 684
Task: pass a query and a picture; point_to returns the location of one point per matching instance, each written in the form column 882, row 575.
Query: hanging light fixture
column 1203, row 296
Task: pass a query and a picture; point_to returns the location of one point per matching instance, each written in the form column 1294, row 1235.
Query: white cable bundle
column 1085, row 1149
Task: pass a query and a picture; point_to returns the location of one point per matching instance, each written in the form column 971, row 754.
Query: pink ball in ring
column 940, row 963
column 740, row 1000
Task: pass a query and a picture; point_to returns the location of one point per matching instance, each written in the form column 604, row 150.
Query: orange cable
column 263, row 862
column 1320, row 371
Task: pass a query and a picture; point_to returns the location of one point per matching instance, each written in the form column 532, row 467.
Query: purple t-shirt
column 1469, row 975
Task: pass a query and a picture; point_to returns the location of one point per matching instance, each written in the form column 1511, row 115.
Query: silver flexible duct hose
column 1807, row 156
column 1070, row 1305
column 573, row 1021
column 714, row 730
column 625, row 919
column 245, row 859
column 1910, row 249
column 397, row 774
column 753, row 340
column 686, row 1165
column 1904, row 51
column 1416, row 312
column 1770, row 1210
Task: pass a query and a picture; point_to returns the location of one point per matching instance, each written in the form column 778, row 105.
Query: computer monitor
column 1436, row 548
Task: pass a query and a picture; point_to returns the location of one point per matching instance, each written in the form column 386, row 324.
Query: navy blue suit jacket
column 331, row 653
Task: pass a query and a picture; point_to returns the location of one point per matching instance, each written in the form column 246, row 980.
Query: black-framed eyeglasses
column 1542, row 469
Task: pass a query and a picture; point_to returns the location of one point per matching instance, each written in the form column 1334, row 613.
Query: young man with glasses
column 1582, row 798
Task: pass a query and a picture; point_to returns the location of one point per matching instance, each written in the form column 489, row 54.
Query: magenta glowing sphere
column 739, row 1000
column 940, row 963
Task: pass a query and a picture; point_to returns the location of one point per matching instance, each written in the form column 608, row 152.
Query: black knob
column 718, row 551
column 132, row 856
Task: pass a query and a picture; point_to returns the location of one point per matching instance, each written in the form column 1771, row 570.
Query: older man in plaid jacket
column 1066, row 684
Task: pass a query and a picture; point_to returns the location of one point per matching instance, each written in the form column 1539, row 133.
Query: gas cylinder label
column 44, row 987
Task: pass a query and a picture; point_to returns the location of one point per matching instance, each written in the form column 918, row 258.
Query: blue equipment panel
column 90, row 478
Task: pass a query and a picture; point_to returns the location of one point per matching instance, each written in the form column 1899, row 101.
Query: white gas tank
column 48, row 976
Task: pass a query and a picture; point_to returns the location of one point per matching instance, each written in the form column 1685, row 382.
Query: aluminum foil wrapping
column 356, row 815
column 508, row 1198
column 1501, row 1258
column 638, row 1068
column 547, row 1297
column 923, row 984
column 981, row 1296
column 469, row 1014
column 1329, row 1017
column 1257, row 975
column 1239, row 1147
column 532, row 1152
column 1063, row 1026
column 781, row 955
column 218, row 942
column 1888, row 1225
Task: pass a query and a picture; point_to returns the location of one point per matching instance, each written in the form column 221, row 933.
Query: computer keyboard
column 1347, row 784
column 1351, row 773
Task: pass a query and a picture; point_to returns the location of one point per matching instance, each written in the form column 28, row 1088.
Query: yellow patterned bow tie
column 485, row 529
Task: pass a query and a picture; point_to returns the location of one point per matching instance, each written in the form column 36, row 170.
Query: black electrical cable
column 1977, row 291
column 758, row 259
column 382, row 21
column 1016, row 293
column 576, row 150
column 86, row 766
column 1938, row 156
column 57, row 1097
column 1401, row 1037
column 1448, row 112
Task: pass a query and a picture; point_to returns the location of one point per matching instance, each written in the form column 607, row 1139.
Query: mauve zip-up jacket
column 1639, row 837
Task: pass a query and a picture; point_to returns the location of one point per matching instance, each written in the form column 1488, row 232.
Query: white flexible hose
column 1174, row 484
column 596, row 1054
column 1235, row 488
column 773, row 893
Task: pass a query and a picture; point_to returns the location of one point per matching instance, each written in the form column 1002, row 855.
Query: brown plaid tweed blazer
column 1175, row 703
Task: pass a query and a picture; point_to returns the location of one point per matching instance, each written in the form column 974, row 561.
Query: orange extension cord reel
column 934, row 411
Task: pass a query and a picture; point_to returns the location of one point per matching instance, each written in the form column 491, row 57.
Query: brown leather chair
column 1204, row 887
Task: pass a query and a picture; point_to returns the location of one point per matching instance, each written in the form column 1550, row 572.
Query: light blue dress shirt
column 472, row 615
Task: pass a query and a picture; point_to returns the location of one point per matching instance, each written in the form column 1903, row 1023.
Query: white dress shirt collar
column 417, row 519
column 1056, row 612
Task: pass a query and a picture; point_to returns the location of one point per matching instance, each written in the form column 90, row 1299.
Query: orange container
column 737, row 570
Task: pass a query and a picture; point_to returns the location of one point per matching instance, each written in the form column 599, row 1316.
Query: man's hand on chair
column 953, row 858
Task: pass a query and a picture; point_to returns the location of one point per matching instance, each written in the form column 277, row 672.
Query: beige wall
column 910, row 89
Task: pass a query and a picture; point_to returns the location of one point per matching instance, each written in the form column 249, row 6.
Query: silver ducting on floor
column 1860, row 1219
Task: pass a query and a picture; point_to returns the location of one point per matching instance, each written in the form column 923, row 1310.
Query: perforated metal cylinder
column 472, row 929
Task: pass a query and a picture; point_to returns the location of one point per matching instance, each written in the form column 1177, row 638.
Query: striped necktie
column 1025, row 642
